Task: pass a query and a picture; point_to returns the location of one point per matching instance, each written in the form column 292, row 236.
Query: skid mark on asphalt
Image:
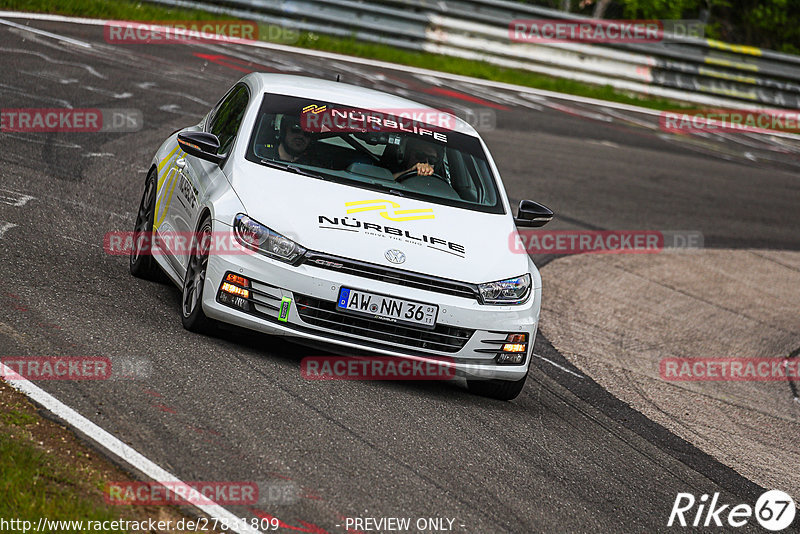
column 8, row 330
column 106, row 92
column 438, row 91
column 500, row 97
column 164, row 408
column 153, row 86
column 88, row 68
column 233, row 63
column 127, row 216
column 171, row 108
column 578, row 112
column 38, row 141
column 233, row 57
column 4, row 227
column 50, row 77
column 10, row 89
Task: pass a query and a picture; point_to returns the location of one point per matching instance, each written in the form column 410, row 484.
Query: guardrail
column 702, row 71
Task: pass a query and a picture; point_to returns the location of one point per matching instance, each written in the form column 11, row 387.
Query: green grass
column 32, row 487
column 129, row 10
column 17, row 418
column 108, row 9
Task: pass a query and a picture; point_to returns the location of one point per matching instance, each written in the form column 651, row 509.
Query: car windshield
column 413, row 153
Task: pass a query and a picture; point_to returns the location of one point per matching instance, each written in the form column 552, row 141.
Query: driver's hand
column 423, row 169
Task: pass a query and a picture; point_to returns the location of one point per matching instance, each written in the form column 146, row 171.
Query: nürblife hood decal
column 392, row 233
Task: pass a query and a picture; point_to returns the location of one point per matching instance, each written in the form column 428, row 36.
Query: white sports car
column 348, row 217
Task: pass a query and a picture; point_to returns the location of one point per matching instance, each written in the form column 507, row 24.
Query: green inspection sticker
column 286, row 304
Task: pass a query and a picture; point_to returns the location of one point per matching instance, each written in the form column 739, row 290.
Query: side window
column 228, row 117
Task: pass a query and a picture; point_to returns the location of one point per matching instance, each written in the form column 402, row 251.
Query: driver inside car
column 421, row 157
column 294, row 141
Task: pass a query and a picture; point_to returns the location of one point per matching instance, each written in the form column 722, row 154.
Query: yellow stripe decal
column 732, row 64
column 740, row 49
column 729, row 92
column 726, row 76
column 165, row 160
column 171, row 177
column 381, row 205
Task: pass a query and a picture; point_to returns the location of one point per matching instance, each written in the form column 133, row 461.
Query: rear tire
column 142, row 264
column 192, row 315
column 497, row 389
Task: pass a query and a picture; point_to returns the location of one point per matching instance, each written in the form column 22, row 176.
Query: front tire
column 192, row 315
column 497, row 389
column 142, row 264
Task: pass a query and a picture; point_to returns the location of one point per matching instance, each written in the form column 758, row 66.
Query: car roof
column 339, row 93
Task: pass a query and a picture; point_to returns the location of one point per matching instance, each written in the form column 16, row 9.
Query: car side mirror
column 202, row 145
column 532, row 214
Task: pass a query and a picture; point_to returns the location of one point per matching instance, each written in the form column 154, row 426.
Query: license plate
column 389, row 309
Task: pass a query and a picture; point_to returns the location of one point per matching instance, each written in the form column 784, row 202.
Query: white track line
column 554, row 364
column 46, row 34
column 117, row 448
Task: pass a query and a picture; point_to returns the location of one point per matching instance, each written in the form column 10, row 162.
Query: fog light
column 234, row 290
column 510, row 358
column 514, row 349
column 238, row 280
column 233, row 293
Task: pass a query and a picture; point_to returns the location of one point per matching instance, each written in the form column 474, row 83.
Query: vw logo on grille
column 394, row 255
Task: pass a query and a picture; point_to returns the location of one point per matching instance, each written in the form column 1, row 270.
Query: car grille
column 393, row 276
column 323, row 313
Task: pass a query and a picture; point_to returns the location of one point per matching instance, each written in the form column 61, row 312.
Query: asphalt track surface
column 564, row 456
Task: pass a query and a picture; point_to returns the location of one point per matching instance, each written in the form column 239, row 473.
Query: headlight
column 511, row 291
column 255, row 236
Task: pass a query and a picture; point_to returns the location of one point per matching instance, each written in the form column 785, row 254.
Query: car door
column 197, row 177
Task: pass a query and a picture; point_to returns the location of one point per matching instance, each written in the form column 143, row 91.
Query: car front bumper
column 466, row 330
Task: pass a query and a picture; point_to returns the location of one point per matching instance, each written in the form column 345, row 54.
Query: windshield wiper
column 284, row 166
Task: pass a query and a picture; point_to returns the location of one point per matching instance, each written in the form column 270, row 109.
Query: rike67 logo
column 774, row 510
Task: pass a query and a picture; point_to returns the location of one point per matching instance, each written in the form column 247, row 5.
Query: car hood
column 362, row 224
